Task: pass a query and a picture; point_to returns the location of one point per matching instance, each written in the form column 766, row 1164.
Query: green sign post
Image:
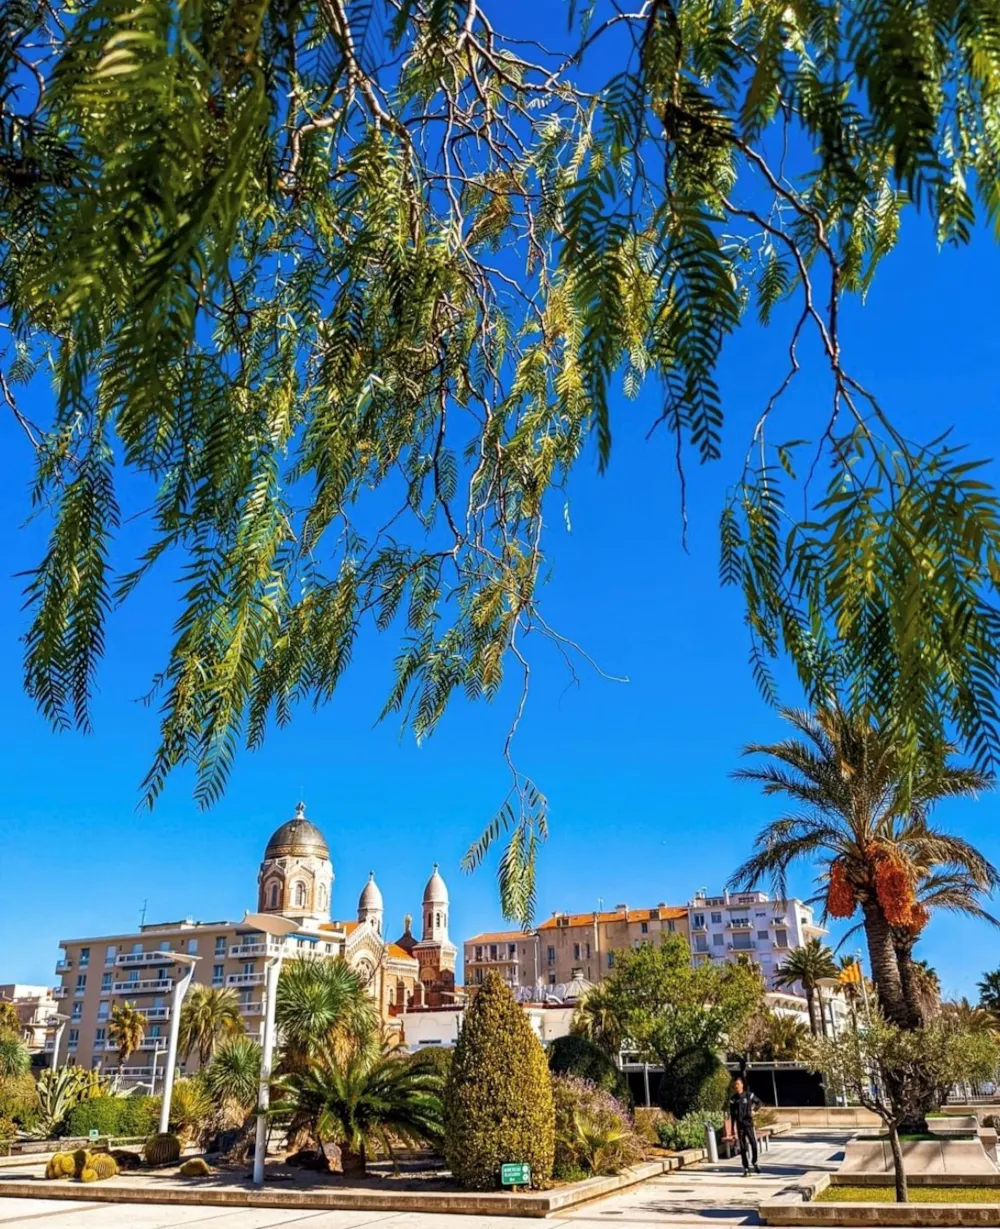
column 93, row 1133
column 516, row 1174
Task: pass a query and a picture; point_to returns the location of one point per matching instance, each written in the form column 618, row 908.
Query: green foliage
column 196, row 1167
column 209, row 1014
column 595, row 1020
column 14, row 1057
column 162, row 1149
column 713, row 1091
column 778, row 1038
column 119, row 1117
column 594, row 1130
column 989, row 992
column 8, row 1129
column 58, row 1092
column 575, row 1055
column 681, row 1015
column 436, row 1059
column 191, row 1107
column 689, row 1131
column 19, row 1099
column 103, row 1164
column 126, row 1029
column 807, row 966
column 321, row 1003
column 285, row 265
column 233, row 1075
column 498, row 1101
column 363, row 1101
column 10, row 1020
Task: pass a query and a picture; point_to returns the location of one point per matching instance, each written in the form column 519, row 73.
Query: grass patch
column 937, row 1136
column 918, row 1194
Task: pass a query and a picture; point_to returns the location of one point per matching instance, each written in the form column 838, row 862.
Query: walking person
column 742, row 1105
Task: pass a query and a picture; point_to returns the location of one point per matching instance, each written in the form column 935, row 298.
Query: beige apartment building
column 569, row 947
column 35, row 1006
column 296, row 881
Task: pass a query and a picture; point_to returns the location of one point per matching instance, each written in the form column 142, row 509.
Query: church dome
column 371, row 897
column 436, row 892
column 297, row 838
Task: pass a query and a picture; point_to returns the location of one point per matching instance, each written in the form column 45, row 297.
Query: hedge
column 118, row 1116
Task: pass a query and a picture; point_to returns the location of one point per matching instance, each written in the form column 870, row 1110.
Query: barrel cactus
column 197, row 1167
column 88, row 1175
column 81, row 1161
column 60, row 1165
column 163, row 1149
column 103, row 1165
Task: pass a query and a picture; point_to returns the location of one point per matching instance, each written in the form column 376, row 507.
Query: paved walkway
column 706, row 1196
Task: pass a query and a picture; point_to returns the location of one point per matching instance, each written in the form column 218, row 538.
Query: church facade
column 295, row 880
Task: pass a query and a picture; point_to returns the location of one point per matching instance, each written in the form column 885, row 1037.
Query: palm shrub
column 576, row 1055
column 363, row 1102
column 321, row 1004
column 191, row 1107
column 233, row 1075
column 596, row 1020
column 498, row 1101
column 14, row 1057
column 126, row 1030
column 594, row 1131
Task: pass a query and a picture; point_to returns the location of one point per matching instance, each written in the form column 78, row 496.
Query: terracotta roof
column 667, row 913
column 400, row 953
column 499, row 936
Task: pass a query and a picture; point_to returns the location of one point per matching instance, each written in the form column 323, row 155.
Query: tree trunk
column 811, row 1006
column 355, row 1164
column 885, row 971
column 822, row 1013
column 911, row 999
column 899, row 1173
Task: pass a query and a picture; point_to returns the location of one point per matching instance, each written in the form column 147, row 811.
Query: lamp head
column 272, row 924
column 184, row 958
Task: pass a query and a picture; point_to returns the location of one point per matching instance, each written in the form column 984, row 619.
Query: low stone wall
column 797, row 1206
column 849, row 1116
column 940, row 1157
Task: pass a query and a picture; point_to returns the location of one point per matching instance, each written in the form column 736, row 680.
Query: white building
column 751, row 925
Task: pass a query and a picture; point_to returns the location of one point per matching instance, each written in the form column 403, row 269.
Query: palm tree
column 779, row 1038
column 969, row 1019
column 208, row 1015
column 861, row 811
column 809, row 965
column 126, row 1030
column 366, row 1101
column 595, row 1020
column 989, row 992
column 322, row 1003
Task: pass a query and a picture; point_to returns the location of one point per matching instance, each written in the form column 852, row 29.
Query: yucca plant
column 14, row 1057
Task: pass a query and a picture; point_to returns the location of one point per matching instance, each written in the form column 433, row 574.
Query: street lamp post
column 276, row 927
column 59, row 1021
column 180, row 989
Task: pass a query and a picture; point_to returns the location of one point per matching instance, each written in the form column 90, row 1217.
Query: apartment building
column 568, row 947
column 35, row 1006
column 750, row 925
column 296, row 881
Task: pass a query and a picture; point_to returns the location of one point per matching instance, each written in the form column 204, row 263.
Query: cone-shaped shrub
column 498, row 1100
column 162, row 1149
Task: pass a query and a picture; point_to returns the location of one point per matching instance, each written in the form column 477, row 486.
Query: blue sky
column 642, row 808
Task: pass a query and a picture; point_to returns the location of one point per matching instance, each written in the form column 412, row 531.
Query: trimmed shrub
column 681, row 1087
column 437, row 1059
column 647, row 1119
column 714, row 1091
column 580, row 1057
column 103, row 1164
column 197, row 1167
column 594, row 1131
column 121, row 1117
column 498, row 1100
column 8, row 1129
column 162, row 1149
column 689, row 1132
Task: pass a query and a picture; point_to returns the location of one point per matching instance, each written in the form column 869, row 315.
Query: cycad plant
column 860, row 809
column 809, row 965
column 209, row 1014
column 233, row 1075
column 126, row 1031
column 365, row 1102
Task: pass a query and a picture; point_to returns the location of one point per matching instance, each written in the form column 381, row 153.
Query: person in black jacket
column 742, row 1105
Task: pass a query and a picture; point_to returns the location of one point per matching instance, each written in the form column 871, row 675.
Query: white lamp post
column 180, row 989
column 277, row 927
column 59, row 1021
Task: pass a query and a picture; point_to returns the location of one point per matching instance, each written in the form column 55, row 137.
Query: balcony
column 742, row 947
column 130, row 1073
column 63, row 966
column 248, row 951
column 152, row 1043
column 251, row 1009
column 151, row 985
column 245, row 979
column 154, row 1013
column 131, row 959
column 739, row 923
column 698, row 926
column 60, row 992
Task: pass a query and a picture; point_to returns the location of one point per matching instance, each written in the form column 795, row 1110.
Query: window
column 699, row 921
column 576, row 951
column 102, row 1009
column 742, row 943
column 74, row 1037
column 552, row 979
column 300, row 895
column 158, row 1001
column 248, row 967
column 137, row 949
column 512, row 951
column 81, row 983
column 220, row 945
column 77, row 1010
column 216, row 974
column 781, row 938
column 192, row 947
column 106, row 980
column 718, row 940
column 274, row 896
column 762, row 935
column 99, row 1036
column 133, row 974
column 164, row 946
column 161, row 973
column 716, row 919
column 493, row 951
column 644, row 927
column 762, row 913
column 84, row 957
column 321, row 896
column 701, row 944
column 611, row 960
column 437, row 920
column 479, row 952
column 430, row 921
column 110, row 952
column 588, row 950
column 328, row 948
column 552, row 955
column 670, row 926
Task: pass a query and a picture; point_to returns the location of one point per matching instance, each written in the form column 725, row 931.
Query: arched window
column 274, row 896
column 322, row 895
column 437, row 920
column 430, row 921
column 300, row 895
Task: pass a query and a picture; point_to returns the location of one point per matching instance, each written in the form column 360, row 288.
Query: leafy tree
column 289, row 264
column 679, row 1014
column 209, row 1014
column 364, row 1101
column 888, row 1070
column 322, row 1004
column 807, row 966
column 864, row 819
column 10, row 1021
column 498, row 1100
column 126, row 1030
column 594, row 1020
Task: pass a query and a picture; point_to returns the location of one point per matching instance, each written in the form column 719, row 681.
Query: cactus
column 60, row 1165
column 197, row 1167
column 103, row 1165
column 162, row 1149
column 81, row 1161
column 88, row 1175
